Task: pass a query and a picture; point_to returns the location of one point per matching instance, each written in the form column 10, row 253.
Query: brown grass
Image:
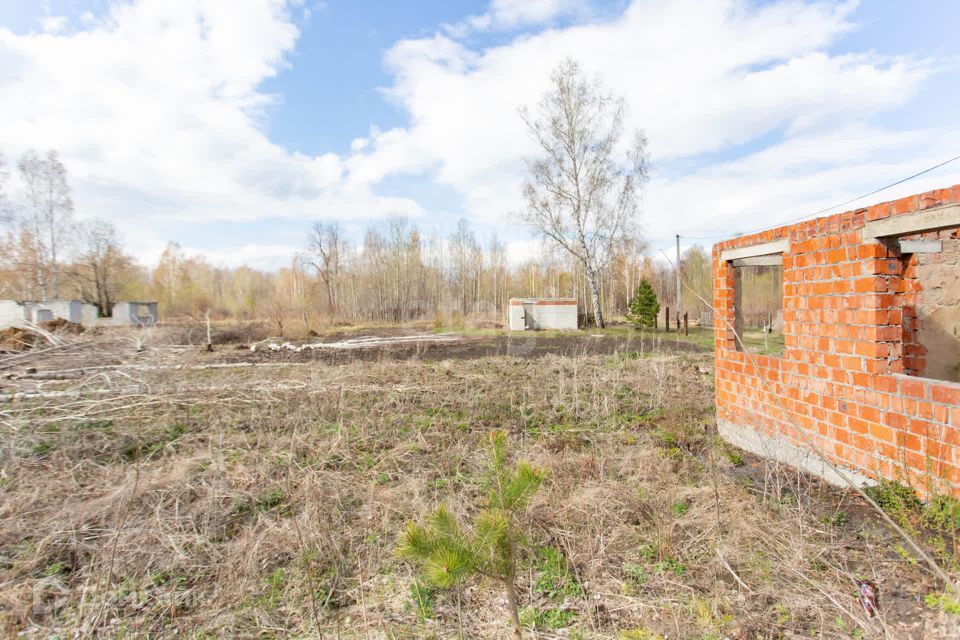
column 266, row 503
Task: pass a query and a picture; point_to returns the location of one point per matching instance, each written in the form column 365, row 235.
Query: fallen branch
column 63, row 374
column 12, row 361
column 733, row 573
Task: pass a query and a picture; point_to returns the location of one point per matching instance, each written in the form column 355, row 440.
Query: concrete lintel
column 942, row 217
column 775, row 260
column 782, row 450
column 921, row 246
column 765, row 249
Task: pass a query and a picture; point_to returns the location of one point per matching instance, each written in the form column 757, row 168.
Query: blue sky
column 230, row 126
column 336, row 71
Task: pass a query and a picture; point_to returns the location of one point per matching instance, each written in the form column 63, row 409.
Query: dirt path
column 430, row 346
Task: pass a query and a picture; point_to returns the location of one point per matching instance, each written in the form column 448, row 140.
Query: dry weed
column 267, row 501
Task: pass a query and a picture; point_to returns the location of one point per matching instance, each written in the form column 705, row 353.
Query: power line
column 840, row 204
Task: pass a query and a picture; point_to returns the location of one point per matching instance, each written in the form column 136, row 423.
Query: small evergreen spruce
column 644, row 306
column 448, row 554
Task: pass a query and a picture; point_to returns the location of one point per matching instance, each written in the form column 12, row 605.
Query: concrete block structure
column 75, row 311
column 870, row 371
column 11, row 312
column 124, row 313
column 543, row 313
column 136, row 314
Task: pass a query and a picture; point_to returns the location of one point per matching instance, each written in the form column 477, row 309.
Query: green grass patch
column 899, row 501
column 680, row 508
column 661, row 562
column 944, row 602
column 556, row 580
column 552, row 618
column 423, row 599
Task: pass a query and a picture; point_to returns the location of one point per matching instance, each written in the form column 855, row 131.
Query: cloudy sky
column 230, row 125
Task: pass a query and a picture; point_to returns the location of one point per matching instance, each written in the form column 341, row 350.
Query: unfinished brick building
column 870, row 363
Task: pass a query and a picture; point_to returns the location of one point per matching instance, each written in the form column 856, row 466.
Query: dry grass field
column 152, row 490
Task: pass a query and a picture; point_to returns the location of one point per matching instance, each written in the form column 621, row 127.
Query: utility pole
column 679, row 299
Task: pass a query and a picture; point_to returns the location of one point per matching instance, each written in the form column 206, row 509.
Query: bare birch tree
column 98, row 264
column 47, row 215
column 466, row 261
column 325, row 253
column 5, row 213
column 578, row 194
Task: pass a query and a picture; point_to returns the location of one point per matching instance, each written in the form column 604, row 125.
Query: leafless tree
column 47, row 216
column 466, row 260
column 5, row 211
column 325, row 253
column 578, row 194
column 98, row 263
column 405, row 259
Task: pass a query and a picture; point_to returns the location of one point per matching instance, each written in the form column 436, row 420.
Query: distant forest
column 394, row 274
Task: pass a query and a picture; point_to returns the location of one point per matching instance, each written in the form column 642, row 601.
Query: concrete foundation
column 782, row 450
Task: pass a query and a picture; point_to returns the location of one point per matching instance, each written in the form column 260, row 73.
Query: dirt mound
column 241, row 333
column 59, row 325
column 16, row 339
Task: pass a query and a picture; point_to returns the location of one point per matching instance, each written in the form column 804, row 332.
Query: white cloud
column 701, row 77
column 797, row 178
column 513, row 14
column 53, row 24
column 156, row 110
column 519, row 251
column 256, row 256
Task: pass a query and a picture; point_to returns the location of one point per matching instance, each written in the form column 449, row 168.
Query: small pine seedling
column 448, row 554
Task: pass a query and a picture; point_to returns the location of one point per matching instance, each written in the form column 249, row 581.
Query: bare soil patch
column 461, row 347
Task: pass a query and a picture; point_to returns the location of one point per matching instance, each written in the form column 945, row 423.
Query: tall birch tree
column 583, row 187
column 47, row 217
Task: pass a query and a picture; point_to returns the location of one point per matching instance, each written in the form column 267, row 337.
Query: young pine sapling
column 449, row 554
column 643, row 307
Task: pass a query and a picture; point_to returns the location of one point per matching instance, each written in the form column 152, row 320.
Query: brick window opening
column 758, row 304
column 929, row 300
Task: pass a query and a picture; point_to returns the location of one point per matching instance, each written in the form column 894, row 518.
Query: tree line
column 580, row 197
column 393, row 274
column 45, row 253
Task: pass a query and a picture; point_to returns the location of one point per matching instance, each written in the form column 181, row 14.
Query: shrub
column 898, row 500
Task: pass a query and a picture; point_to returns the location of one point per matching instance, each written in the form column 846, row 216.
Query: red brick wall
column 849, row 319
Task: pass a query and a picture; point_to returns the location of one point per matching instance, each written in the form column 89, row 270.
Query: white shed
column 543, row 313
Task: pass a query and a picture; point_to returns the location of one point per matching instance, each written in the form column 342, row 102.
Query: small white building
column 543, row 313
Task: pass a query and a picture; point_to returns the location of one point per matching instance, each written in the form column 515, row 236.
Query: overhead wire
column 830, row 208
